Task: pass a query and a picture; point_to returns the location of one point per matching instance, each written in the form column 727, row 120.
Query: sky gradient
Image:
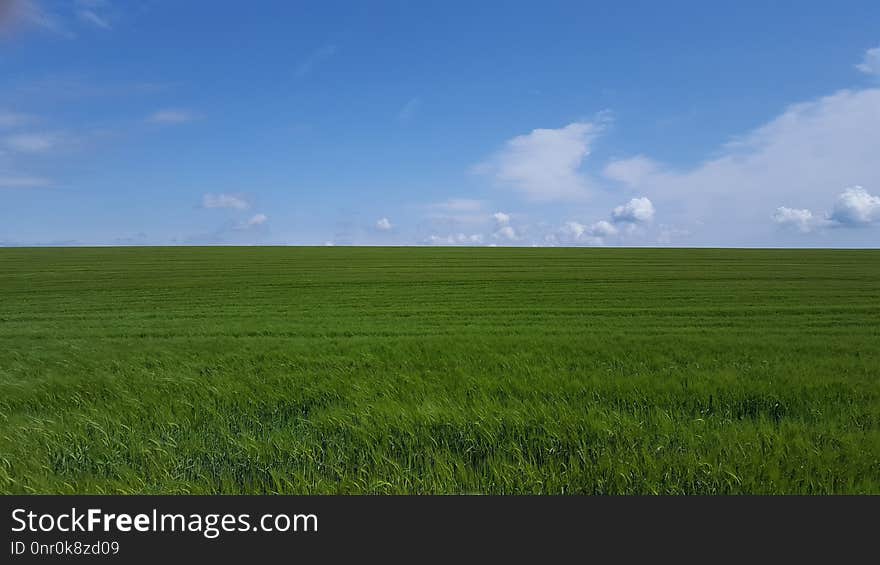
column 440, row 123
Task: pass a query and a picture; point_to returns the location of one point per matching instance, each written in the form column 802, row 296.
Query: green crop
column 439, row 370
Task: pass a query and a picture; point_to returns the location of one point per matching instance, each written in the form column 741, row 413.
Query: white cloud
column 314, row 59
column 830, row 141
column 550, row 239
column 503, row 229
column 723, row 200
column 94, row 12
column 544, row 164
column 800, row 219
column 578, row 233
column 856, row 207
column 574, row 230
column 256, row 220
column 636, row 211
column 32, row 142
column 473, row 238
column 625, row 217
column 631, row 171
column 505, row 232
column 870, row 65
column 602, row 228
column 92, row 17
column 224, row 201
column 24, row 182
column 253, row 222
column 383, row 224
column 455, row 239
column 501, row 219
column 171, row 116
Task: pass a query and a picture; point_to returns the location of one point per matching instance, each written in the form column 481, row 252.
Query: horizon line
column 427, row 246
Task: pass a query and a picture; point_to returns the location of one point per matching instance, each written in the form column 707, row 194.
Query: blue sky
column 440, row 123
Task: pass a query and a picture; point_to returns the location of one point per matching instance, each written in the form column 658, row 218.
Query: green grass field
column 425, row 370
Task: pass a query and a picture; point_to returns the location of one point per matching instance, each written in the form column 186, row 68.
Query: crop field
column 439, row 370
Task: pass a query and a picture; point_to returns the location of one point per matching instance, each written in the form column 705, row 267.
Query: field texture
column 380, row 370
